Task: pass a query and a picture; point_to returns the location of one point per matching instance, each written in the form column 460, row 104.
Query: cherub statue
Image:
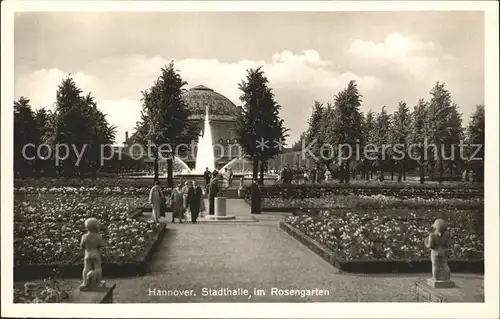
column 91, row 242
column 439, row 241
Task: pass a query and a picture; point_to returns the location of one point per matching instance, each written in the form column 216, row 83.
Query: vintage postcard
column 250, row 159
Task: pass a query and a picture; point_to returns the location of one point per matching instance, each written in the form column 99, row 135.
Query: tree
column 476, row 135
column 25, row 132
column 325, row 155
column 452, row 138
column 100, row 133
column 42, row 118
column 438, row 125
column 368, row 133
column 419, row 134
column 164, row 118
column 347, row 126
column 260, row 130
column 76, row 123
column 381, row 138
column 314, row 127
column 399, row 135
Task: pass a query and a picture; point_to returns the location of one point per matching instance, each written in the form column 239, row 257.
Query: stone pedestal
column 100, row 295
column 440, row 284
column 220, row 206
column 220, row 213
column 427, row 293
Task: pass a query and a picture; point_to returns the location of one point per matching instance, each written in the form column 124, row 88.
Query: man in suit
column 207, row 175
column 213, row 191
column 194, row 199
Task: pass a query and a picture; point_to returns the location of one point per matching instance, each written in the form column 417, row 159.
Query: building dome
column 200, row 97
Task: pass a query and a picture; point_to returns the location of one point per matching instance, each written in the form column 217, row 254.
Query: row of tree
column 75, row 121
column 433, row 128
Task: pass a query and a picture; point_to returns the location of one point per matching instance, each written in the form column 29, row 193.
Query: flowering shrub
column 48, row 291
column 375, row 202
column 400, row 191
column 83, row 190
column 42, row 242
column 71, row 207
column 354, row 236
column 47, row 229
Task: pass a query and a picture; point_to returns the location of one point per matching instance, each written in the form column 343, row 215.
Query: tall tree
column 42, row 118
column 368, row 133
column 70, row 127
column 164, row 121
column 438, row 127
column 452, row 138
column 476, row 136
column 78, row 124
column 260, row 129
column 381, row 138
column 347, row 126
column 25, row 127
column 314, row 127
column 399, row 135
column 100, row 133
column 418, row 135
column 325, row 154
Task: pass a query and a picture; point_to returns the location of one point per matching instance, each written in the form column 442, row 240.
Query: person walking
column 328, row 176
column 230, row 177
column 213, row 191
column 255, row 198
column 155, row 200
column 313, row 175
column 194, row 199
column 185, row 190
column 207, row 175
column 177, row 204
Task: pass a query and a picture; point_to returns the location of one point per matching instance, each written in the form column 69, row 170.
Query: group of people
column 304, row 175
column 189, row 197
column 184, row 198
column 227, row 177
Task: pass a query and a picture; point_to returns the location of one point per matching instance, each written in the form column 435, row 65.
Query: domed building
column 222, row 115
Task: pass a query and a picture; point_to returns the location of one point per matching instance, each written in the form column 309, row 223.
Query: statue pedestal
column 97, row 295
column 220, row 210
column 220, row 206
column 440, row 283
column 427, row 293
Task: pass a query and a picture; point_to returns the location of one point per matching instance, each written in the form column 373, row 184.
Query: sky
column 307, row 57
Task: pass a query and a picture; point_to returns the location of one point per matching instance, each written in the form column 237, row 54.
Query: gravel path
column 252, row 256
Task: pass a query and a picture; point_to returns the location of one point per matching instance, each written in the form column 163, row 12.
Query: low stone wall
column 379, row 266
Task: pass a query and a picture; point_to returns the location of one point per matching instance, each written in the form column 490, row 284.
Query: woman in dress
column 185, row 191
column 155, row 198
column 177, row 204
column 328, row 176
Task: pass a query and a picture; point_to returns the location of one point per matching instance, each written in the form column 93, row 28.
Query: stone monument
column 93, row 288
column 220, row 206
column 438, row 242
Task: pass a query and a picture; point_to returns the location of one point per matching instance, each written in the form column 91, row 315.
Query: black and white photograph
column 280, row 157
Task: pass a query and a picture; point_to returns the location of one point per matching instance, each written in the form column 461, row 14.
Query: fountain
column 205, row 155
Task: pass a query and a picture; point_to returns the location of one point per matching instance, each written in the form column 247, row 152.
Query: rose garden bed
column 47, row 233
column 397, row 190
column 360, row 242
column 332, row 201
